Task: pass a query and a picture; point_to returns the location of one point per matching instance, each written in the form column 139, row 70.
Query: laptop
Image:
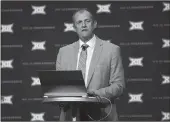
column 62, row 83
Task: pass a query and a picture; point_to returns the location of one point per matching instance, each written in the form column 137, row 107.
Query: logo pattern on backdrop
column 136, row 61
column 7, row 64
column 166, row 7
column 135, row 98
column 165, row 115
column 68, row 27
column 166, row 43
column 136, row 25
column 7, row 28
column 166, row 79
column 37, row 116
column 6, row 99
column 38, row 45
column 120, row 23
column 36, row 81
column 38, row 10
column 103, row 8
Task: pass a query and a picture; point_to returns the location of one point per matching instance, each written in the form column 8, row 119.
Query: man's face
column 84, row 24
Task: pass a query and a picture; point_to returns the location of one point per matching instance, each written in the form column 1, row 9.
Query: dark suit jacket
column 106, row 73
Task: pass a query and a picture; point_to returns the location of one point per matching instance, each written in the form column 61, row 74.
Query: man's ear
column 95, row 24
column 74, row 25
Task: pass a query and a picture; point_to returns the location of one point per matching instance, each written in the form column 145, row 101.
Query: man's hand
column 93, row 92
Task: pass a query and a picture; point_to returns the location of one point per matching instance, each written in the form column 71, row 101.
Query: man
column 100, row 62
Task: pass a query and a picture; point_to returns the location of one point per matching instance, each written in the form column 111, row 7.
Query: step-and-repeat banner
column 32, row 32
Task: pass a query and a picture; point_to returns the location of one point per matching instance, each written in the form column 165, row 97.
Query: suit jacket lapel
column 94, row 60
column 75, row 55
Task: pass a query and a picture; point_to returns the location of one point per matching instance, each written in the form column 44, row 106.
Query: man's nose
column 83, row 24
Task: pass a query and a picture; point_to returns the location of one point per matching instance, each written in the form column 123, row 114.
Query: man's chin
column 86, row 37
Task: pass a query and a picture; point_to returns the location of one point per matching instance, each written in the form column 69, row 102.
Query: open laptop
column 62, row 83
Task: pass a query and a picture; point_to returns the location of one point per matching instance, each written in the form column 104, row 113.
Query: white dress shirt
column 90, row 50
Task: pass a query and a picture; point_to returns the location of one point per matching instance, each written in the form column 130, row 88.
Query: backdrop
column 32, row 33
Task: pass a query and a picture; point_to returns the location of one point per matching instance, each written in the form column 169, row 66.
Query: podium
column 73, row 102
column 56, row 85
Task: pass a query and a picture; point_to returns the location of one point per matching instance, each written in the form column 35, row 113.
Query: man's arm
column 58, row 61
column 117, row 81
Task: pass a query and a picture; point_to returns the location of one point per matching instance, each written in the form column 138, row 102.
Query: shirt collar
column 91, row 42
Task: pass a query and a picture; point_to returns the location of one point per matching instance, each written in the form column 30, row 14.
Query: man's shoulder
column 107, row 44
column 110, row 47
column 68, row 47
